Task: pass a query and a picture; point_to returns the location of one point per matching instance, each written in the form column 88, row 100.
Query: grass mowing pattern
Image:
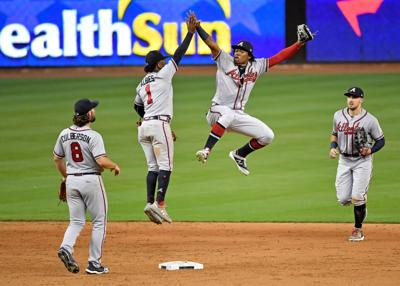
column 291, row 180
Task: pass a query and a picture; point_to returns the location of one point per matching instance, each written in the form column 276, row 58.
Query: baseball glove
column 62, row 193
column 361, row 139
column 304, row 34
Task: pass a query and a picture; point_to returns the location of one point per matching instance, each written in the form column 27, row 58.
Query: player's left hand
column 304, row 34
column 138, row 123
column 365, row 151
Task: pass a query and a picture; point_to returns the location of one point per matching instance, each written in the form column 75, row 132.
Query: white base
column 180, row 265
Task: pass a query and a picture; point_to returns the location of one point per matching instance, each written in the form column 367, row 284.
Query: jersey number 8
column 76, row 152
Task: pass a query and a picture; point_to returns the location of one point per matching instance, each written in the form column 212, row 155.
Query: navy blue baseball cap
column 83, row 106
column 354, row 92
column 245, row 46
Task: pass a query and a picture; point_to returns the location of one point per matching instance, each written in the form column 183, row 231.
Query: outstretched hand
column 191, row 21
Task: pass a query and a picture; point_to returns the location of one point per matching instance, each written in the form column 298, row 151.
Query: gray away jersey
column 155, row 91
column 344, row 127
column 232, row 90
column 80, row 146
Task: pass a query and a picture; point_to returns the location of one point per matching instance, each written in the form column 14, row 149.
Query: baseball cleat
column 240, row 162
column 356, row 235
column 202, row 155
column 92, row 269
column 160, row 212
column 152, row 216
column 68, row 260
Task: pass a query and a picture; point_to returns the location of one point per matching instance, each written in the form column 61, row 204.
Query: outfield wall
column 54, row 33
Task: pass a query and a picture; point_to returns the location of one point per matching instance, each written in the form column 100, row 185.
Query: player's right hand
column 191, row 22
column 116, row 170
column 333, row 153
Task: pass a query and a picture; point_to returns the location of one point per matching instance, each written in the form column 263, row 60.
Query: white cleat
column 240, row 162
column 202, row 155
column 356, row 235
column 160, row 212
column 151, row 214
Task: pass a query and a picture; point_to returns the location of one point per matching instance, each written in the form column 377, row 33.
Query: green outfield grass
column 291, row 180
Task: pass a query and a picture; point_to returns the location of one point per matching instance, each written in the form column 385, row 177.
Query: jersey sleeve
column 376, row 130
column 138, row 100
column 334, row 128
column 261, row 65
column 223, row 60
column 58, row 148
column 168, row 71
column 96, row 146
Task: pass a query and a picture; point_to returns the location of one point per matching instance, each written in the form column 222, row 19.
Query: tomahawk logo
column 351, row 9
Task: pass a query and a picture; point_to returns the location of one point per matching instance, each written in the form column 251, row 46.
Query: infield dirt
column 232, row 254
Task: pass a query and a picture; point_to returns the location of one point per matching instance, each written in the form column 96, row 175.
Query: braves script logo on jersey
column 348, row 130
column 250, row 76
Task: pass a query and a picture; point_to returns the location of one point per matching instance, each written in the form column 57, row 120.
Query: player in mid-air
column 153, row 103
column 355, row 166
column 236, row 77
column 85, row 156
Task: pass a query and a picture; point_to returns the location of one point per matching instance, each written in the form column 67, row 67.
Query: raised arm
column 285, row 54
column 215, row 49
column 303, row 35
column 181, row 50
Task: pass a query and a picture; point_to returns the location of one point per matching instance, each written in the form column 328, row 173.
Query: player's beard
column 92, row 119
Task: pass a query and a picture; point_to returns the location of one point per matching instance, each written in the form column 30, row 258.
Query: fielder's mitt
column 62, row 193
column 361, row 139
column 304, row 34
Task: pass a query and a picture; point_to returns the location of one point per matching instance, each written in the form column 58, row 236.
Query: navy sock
column 245, row 150
column 216, row 133
column 151, row 185
column 359, row 215
column 163, row 181
column 252, row 146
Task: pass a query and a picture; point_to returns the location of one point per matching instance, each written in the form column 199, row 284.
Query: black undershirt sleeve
column 378, row 145
column 139, row 110
column 181, row 50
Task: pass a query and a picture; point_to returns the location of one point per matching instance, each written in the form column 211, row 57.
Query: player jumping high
column 236, row 77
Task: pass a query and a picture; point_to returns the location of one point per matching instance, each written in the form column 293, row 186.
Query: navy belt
column 83, row 174
column 350, row 155
column 165, row 118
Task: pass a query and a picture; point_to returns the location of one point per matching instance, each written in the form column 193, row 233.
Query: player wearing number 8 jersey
column 153, row 102
column 85, row 156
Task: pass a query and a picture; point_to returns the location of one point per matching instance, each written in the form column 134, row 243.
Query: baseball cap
column 245, row 46
column 83, row 106
column 355, row 92
column 153, row 57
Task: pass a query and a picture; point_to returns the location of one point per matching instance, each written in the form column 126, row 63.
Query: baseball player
column 85, row 156
column 153, row 103
column 236, row 77
column 355, row 166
